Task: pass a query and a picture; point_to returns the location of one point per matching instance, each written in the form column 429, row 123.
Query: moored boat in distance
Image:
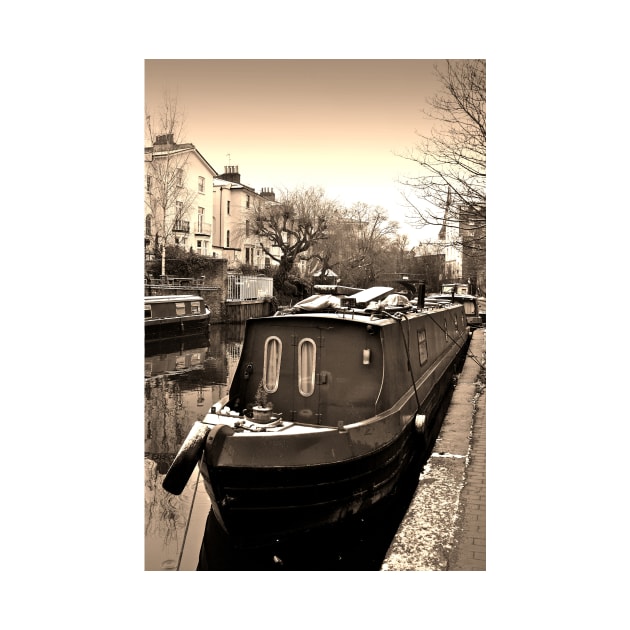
column 471, row 306
column 458, row 292
column 352, row 384
column 173, row 316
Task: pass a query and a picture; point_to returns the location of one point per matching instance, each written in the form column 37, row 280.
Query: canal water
column 182, row 380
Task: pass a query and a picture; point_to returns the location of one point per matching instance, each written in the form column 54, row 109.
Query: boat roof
column 374, row 306
column 335, row 289
column 449, row 296
column 149, row 299
column 356, row 315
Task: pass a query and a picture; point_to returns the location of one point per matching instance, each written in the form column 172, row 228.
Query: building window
column 247, row 202
column 147, row 225
column 199, row 219
column 271, row 364
column 227, row 238
column 179, row 209
column 247, row 228
column 202, row 248
column 148, row 183
column 179, row 177
column 202, row 184
column 228, row 206
column 306, row 367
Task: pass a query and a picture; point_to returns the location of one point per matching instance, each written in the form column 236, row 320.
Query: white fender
column 420, row 422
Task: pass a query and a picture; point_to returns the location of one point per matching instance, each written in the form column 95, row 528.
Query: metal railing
column 181, row 226
column 248, row 287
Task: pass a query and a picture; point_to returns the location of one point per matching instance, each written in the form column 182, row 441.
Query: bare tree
column 326, row 254
column 401, row 253
column 369, row 232
column 293, row 224
column 358, row 246
column 450, row 189
column 167, row 198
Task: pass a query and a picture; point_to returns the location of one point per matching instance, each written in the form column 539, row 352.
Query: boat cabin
column 320, row 368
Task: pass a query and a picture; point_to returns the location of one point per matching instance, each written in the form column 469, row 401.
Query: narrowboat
column 173, row 316
column 351, row 386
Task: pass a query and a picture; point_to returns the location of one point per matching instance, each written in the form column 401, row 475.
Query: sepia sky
column 338, row 124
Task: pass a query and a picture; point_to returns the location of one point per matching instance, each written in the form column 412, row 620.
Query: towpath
column 445, row 526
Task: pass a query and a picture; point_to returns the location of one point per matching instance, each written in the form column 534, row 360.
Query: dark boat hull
column 165, row 330
column 260, row 506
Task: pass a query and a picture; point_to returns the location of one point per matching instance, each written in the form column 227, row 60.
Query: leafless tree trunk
column 293, row 224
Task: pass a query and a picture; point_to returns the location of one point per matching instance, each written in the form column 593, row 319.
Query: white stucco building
column 178, row 192
column 233, row 237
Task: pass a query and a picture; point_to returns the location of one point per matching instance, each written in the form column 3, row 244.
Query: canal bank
column 444, row 528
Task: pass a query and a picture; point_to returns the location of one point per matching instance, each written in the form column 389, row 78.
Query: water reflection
column 183, row 378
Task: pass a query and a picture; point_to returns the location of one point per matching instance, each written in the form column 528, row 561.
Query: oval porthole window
column 271, row 364
column 306, row 366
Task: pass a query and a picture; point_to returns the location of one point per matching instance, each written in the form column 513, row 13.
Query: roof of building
column 157, row 150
